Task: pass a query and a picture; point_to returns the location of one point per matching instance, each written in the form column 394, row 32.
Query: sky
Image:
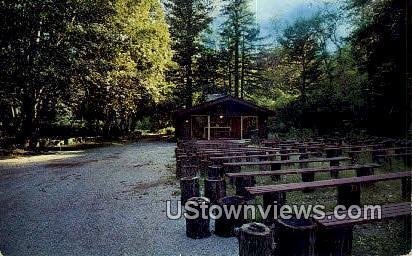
column 272, row 14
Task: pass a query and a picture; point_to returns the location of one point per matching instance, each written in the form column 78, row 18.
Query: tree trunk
column 236, row 68
column 189, row 82
column 29, row 120
column 242, row 76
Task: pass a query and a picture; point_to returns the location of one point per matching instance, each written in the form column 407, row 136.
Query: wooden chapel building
column 225, row 117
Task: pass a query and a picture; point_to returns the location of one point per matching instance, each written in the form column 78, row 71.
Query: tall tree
column 187, row 20
column 36, row 52
column 240, row 32
column 380, row 45
column 100, row 58
column 302, row 47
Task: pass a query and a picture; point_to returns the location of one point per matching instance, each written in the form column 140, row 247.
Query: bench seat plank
column 310, row 160
column 300, row 171
column 260, row 190
column 387, row 211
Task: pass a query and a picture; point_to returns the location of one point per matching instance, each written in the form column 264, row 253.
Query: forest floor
column 112, row 201
column 103, row 201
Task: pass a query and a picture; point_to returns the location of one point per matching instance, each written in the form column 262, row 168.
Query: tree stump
column 215, row 188
column 178, row 169
column 296, row 236
column 204, row 167
column 180, row 161
column 189, row 187
column 225, row 225
column 189, row 170
column 215, row 171
column 255, row 239
column 198, row 227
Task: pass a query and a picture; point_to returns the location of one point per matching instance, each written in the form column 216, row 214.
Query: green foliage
column 380, row 42
column 100, row 59
column 240, row 36
column 187, row 20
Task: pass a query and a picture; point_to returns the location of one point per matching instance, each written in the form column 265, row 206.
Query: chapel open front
column 222, row 127
column 224, row 118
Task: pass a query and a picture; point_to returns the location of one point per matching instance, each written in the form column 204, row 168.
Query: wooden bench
column 277, row 165
column 406, row 157
column 348, row 188
column 354, row 154
column 221, row 159
column 334, row 236
column 245, row 179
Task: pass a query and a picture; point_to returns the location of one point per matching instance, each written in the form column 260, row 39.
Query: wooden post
column 199, row 227
column 406, row 189
column 308, row 177
column 208, row 127
column 407, row 233
column 274, row 167
column 189, row 187
column 354, row 157
column 225, row 225
column 215, row 171
column 189, row 171
column 334, row 241
column 296, row 237
column 274, row 199
column 241, row 183
column 255, row 239
column 232, row 169
column 215, row 188
column 284, row 154
column 334, row 174
column 349, row 195
column 364, row 171
column 302, row 157
column 241, row 127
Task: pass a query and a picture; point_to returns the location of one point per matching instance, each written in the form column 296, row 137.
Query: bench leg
column 365, row 172
column 354, row 158
column 275, row 167
column 407, row 160
column 284, row 157
column 233, row 169
column 334, row 174
column 308, row 177
column 336, row 241
column 276, row 199
column 406, row 189
column 349, row 195
column 407, row 232
column 241, row 183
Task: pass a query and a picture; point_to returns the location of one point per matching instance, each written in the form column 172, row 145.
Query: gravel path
column 106, row 201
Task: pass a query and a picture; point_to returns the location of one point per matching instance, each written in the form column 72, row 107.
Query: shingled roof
column 201, row 108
